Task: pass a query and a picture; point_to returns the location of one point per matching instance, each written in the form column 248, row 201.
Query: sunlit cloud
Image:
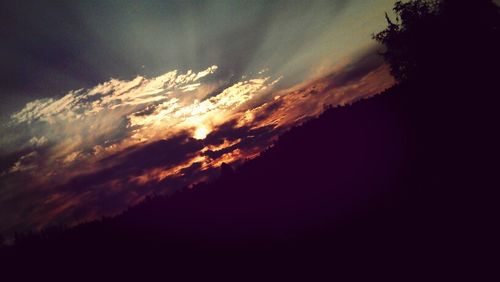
column 106, row 102
column 96, row 151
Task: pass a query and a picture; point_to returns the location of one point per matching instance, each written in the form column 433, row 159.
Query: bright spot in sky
column 92, row 152
column 201, row 132
column 68, row 156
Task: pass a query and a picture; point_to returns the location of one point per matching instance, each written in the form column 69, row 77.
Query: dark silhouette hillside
column 398, row 184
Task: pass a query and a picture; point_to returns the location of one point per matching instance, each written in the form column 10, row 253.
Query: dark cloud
column 267, row 110
column 250, row 138
column 137, row 159
column 192, row 169
column 163, row 152
column 362, row 65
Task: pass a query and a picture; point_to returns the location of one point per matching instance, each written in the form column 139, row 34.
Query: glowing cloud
column 122, row 140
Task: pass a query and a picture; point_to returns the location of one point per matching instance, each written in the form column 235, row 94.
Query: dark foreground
column 388, row 185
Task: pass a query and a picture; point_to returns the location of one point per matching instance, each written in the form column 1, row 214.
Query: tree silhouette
column 429, row 37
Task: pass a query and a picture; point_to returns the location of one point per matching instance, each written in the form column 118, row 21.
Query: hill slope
column 378, row 183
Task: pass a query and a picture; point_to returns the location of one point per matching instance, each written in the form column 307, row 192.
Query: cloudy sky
column 105, row 102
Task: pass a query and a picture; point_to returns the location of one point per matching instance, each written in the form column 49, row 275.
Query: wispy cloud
column 93, row 152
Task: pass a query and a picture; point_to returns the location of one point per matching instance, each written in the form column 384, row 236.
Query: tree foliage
column 428, row 36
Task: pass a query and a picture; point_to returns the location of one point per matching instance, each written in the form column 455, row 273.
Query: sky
column 105, row 102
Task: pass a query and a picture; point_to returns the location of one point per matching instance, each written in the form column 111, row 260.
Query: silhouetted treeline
column 399, row 184
column 437, row 39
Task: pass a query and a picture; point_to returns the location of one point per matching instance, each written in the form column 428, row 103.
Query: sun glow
column 201, row 132
column 157, row 123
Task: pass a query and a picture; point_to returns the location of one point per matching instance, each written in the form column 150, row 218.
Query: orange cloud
column 122, row 140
